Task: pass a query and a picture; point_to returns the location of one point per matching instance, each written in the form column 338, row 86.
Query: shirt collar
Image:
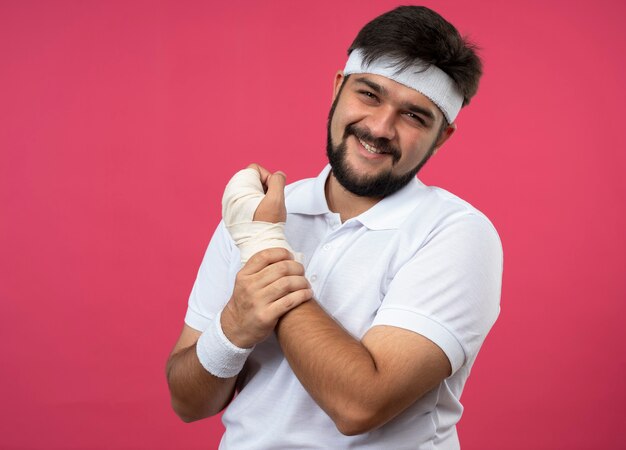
column 391, row 211
column 305, row 198
column 387, row 214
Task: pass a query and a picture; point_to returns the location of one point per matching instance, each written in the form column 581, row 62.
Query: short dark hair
column 408, row 33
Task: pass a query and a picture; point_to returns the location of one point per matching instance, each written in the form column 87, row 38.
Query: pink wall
column 121, row 121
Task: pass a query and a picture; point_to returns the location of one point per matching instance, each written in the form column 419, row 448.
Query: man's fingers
column 274, row 281
column 263, row 172
column 284, row 268
column 276, row 188
column 272, row 207
column 264, row 258
column 284, row 286
column 289, row 302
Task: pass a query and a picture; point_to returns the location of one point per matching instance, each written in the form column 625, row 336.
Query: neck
column 344, row 202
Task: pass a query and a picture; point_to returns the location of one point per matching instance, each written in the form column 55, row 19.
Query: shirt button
column 314, row 278
column 326, row 247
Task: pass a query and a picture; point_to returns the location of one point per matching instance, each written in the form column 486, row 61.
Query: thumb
column 272, row 207
column 276, row 187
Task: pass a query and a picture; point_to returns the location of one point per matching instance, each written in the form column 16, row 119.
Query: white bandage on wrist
column 217, row 354
column 241, row 198
column 425, row 78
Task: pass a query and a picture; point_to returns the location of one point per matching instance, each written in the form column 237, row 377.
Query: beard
column 380, row 185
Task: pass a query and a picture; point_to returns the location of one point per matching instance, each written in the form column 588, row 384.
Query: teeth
column 369, row 148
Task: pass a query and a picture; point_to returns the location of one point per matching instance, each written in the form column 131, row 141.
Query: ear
column 337, row 83
column 447, row 133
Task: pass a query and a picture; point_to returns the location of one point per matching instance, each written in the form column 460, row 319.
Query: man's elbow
column 187, row 414
column 187, row 419
column 358, row 421
column 352, row 428
column 184, row 414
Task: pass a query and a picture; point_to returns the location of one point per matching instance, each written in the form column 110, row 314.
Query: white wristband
column 217, row 354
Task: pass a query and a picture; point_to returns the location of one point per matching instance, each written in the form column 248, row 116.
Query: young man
column 354, row 323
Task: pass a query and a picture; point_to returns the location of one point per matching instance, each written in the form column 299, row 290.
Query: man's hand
column 269, row 285
column 272, row 207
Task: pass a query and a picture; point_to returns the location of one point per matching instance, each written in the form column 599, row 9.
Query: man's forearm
column 195, row 393
column 360, row 384
column 336, row 369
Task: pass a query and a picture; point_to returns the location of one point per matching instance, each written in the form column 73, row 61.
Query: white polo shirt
column 421, row 259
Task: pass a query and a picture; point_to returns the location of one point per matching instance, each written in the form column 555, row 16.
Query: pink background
column 120, row 123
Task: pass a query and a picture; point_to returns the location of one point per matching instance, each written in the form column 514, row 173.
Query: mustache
column 382, row 144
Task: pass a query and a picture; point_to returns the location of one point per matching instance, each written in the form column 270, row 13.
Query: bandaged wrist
column 256, row 236
column 217, row 354
column 241, row 198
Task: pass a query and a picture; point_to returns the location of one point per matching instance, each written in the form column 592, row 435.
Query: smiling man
column 346, row 311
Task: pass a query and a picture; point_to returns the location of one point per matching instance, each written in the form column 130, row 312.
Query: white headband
column 427, row 79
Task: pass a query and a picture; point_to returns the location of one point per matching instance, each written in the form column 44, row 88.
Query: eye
column 415, row 118
column 367, row 95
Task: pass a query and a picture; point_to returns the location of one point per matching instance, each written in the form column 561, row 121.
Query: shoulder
column 442, row 224
column 440, row 209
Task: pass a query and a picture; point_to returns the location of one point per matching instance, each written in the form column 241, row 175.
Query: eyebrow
column 381, row 90
column 373, row 86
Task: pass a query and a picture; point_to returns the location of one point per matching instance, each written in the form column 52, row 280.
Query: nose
column 382, row 122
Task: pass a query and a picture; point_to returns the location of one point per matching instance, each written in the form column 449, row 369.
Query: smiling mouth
column 371, row 148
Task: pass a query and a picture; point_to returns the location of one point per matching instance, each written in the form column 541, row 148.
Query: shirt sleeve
column 449, row 292
column 215, row 281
